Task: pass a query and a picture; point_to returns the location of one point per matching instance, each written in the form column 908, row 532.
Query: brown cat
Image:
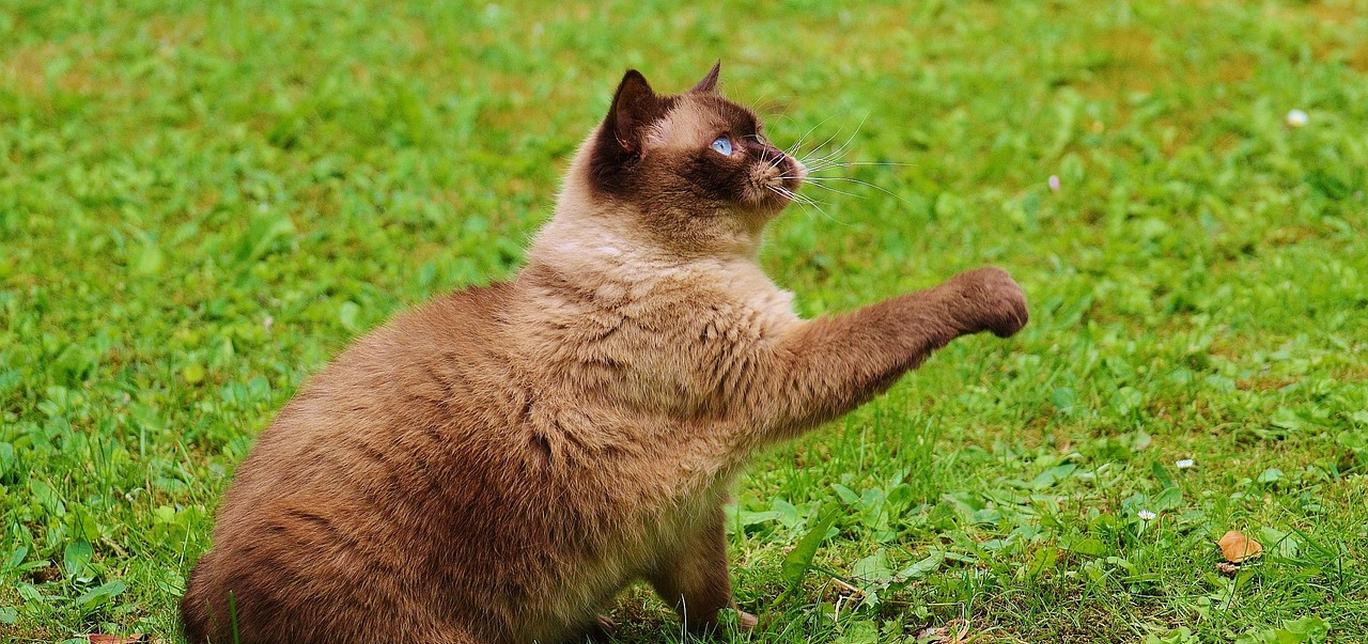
column 496, row 465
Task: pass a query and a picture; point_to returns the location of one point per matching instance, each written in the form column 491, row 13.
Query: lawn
column 201, row 203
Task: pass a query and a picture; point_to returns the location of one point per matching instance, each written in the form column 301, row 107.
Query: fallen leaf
column 1237, row 548
column 956, row 631
column 1226, row 568
column 116, row 639
column 844, row 589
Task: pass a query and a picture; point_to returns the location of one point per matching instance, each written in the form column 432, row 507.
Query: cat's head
column 690, row 155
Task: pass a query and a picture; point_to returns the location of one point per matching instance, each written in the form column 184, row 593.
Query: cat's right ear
column 709, row 83
column 635, row 106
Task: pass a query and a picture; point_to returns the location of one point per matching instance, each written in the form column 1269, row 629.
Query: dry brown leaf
column 1237, row 548
column 847, row 590
column 935, row 634
column 1226, row 568
column 116, row 639
column 956, row 631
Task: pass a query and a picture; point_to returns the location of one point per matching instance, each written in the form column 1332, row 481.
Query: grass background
column 200, row 203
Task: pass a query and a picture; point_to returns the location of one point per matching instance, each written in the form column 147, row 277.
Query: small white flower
column 1146, row 515
column 1185, row 464
column 1053, row 182
column 1297, row 118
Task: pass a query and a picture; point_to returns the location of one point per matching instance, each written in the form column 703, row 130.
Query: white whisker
column 877, row 163
column 794, row 148
column 817, row 181
column 840, row 150
column 805, row 201
column 820, row 146
column 849, row 194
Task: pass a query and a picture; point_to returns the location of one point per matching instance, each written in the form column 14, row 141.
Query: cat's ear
column 709, row 83
column 635, row 105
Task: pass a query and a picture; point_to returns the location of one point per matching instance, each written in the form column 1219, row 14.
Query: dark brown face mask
column 695, row 152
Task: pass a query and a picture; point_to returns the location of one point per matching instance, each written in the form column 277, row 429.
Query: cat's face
column 689, row 155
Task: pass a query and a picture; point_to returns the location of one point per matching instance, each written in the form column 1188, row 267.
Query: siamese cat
column 496, row 465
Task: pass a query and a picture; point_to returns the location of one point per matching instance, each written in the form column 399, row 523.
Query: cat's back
column 415, row 378
column 375, row 457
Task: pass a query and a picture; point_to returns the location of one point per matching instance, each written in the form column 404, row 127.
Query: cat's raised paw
column 991, row 301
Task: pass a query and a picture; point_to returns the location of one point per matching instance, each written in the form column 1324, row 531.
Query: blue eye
column 723, row 146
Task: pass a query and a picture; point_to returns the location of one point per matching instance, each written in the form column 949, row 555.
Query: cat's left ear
column 709, row 83
column 635, row 106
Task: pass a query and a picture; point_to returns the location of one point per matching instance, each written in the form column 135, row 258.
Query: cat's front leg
column 828, row 366
column 693, row 577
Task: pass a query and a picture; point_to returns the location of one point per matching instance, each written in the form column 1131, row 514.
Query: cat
column 496, row 465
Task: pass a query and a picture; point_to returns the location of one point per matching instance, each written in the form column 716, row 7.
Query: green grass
column 200, row 205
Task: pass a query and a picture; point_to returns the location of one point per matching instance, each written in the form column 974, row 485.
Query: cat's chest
column 732, row 300
column 661, row 337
